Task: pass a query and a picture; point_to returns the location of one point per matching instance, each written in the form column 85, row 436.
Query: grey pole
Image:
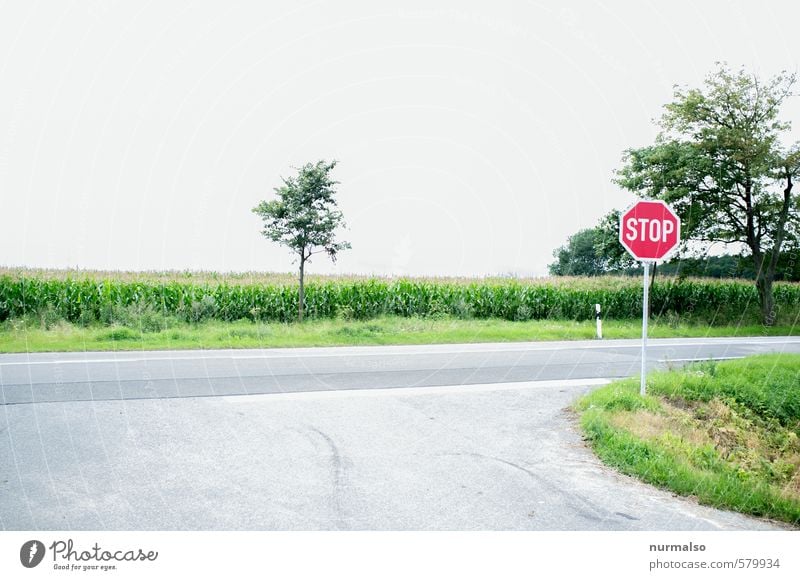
column 645, row 296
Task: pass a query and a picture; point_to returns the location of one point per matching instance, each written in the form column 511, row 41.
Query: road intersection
column 372, row 438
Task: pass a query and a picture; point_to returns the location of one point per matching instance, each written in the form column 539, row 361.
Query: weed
column 118, row 333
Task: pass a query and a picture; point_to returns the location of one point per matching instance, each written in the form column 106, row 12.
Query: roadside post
column 645, row 320
column 650, row 231
column 599, row 321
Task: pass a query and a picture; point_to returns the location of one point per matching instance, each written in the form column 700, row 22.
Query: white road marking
column 414, row 391
column 705, row 358
column 408, row 351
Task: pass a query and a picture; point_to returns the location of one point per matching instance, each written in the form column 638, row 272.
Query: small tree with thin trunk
column 305, row 217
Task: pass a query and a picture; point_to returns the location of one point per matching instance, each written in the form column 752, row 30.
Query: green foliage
column 719, row 161
column 606, row 244
column 203, row 309
column 48, row 317
column 579, row 256
column 767, row 387
column 27, row 335
column 619, row 396
column 726, row 266
column 153, row 305
column 724, row 432
column 142, row 316
column 304, row 217
column 118, row 333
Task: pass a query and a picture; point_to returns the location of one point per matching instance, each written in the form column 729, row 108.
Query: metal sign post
column 650, row 230
column 645, row 317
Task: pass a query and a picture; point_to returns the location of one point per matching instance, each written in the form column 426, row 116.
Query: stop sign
column 649, row 230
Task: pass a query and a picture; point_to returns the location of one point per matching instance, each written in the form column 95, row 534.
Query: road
column 57, row 377
column 426, row 437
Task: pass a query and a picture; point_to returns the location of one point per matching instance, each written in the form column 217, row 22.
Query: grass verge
column 725, row 433
column 19, row 336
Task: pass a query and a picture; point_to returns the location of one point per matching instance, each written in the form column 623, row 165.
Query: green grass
column 725, row 433
column 144, row 334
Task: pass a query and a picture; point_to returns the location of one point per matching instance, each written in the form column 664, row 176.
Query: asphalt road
column 453, row 437
column 57, row 377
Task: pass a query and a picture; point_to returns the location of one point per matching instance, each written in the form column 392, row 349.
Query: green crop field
column 104, row 297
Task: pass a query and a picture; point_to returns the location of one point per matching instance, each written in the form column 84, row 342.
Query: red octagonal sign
column 650, row 231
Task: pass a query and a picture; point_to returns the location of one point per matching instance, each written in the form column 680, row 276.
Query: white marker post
column 645, row 317
column 650, row 230
column 599, row 321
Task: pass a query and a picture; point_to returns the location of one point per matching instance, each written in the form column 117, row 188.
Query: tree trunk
column 653, row 267
column 766, row 298
column 301, row 294
column 769, row 264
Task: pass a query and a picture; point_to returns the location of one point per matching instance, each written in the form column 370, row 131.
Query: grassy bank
column 58, row 335
column 725, row 433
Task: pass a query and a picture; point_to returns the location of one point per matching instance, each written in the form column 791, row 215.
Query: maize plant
column 85, row 298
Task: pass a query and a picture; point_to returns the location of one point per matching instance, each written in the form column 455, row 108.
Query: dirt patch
column 674, row 421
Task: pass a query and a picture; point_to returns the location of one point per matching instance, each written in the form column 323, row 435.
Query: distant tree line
column 722, row 161
column 587, row 253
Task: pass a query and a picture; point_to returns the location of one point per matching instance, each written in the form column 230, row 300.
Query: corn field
column 88, row 298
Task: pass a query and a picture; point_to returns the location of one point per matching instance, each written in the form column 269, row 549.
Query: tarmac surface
column 447, row 437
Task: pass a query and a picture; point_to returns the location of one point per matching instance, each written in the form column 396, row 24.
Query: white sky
column 473, row 137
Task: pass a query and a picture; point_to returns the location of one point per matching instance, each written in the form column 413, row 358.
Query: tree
column 578, row 256
column 593, row 251
column 305, row 217
column 616, row 257
column 719, row 161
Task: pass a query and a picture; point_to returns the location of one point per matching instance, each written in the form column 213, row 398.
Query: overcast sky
column 472, row 137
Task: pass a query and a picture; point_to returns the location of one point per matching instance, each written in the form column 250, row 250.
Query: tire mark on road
column 339, row 474
column 598, row 515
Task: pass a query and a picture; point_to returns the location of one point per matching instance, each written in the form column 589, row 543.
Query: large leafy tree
column 578, row 256
column 593, row 251
column 615, row 256
column 720, row 161
column 305, row 217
